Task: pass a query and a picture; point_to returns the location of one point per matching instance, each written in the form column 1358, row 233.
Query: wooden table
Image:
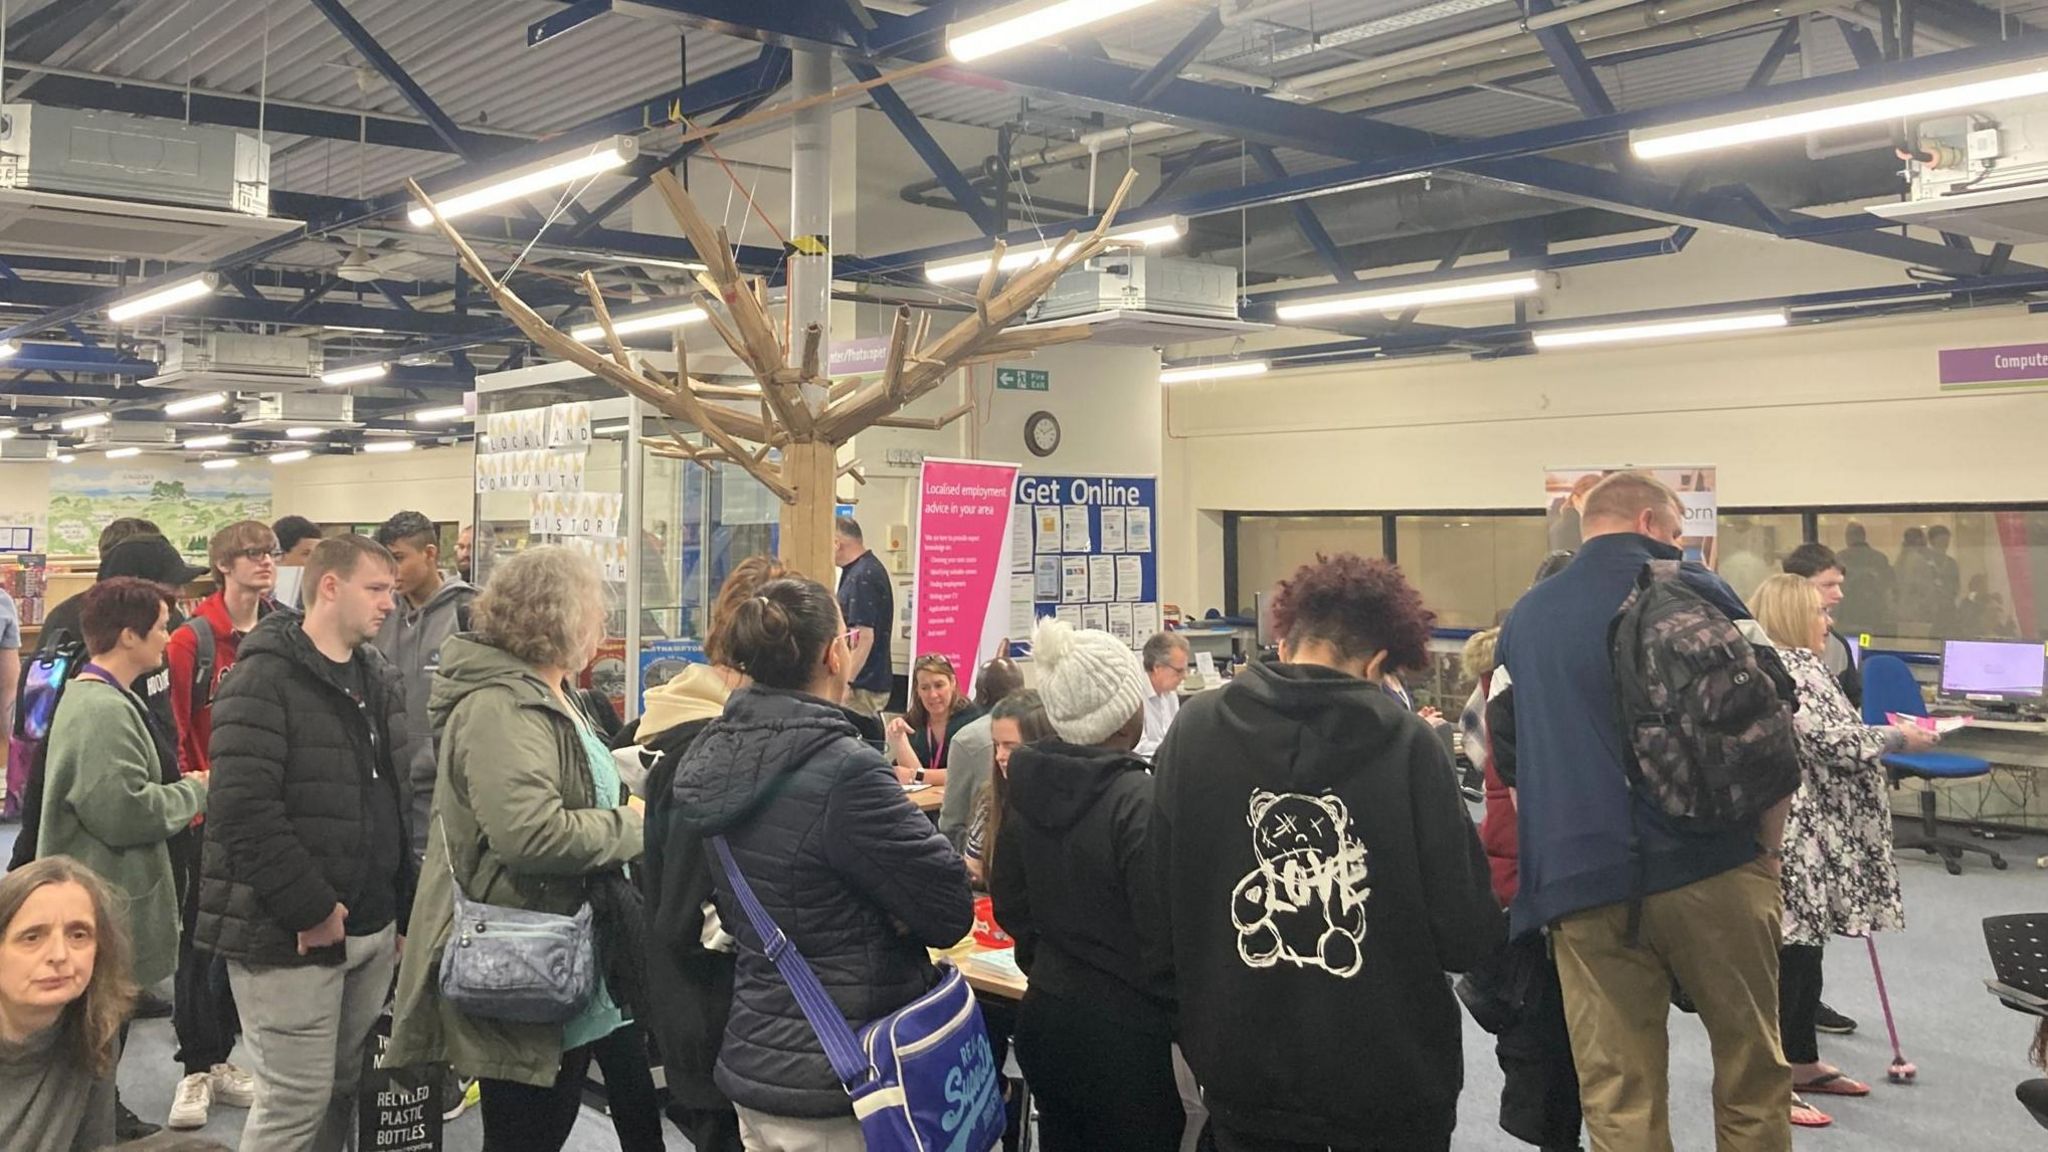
column 928, row 800
column 992, row 981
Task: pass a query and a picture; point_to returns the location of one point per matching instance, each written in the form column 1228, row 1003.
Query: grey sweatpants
column 305, row 1030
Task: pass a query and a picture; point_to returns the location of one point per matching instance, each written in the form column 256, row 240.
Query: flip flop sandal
column 1833, row 1084
column 1805, row 1115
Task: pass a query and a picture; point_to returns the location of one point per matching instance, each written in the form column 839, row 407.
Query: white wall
column 25, row 497
column 366, row 489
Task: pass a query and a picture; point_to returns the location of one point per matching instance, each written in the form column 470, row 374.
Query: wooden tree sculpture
column 807, row 434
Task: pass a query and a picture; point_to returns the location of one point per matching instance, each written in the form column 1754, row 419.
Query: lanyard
column 103, row 674
column 938, row 744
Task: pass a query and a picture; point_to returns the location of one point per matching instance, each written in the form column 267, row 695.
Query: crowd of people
column 297, row 812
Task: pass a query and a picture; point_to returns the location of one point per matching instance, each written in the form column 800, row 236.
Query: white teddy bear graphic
column 1305, row 902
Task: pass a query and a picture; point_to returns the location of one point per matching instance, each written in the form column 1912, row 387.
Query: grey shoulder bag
column 511, row 964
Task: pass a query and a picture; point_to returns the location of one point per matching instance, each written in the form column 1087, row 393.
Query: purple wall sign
column 856, row 357
column 1997, row 367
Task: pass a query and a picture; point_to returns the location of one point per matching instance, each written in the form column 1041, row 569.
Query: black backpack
column 1706, row 714
column 43, row 677
column 202, row 666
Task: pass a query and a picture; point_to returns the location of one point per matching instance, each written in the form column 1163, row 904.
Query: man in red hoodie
column 243, row 557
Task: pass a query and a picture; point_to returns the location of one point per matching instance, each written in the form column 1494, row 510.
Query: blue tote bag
column 923, row 1078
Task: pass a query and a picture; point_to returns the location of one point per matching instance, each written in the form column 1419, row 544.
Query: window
column 1933, row 575
column 1270, row 548
column 1750, row 548
column 1470, row 568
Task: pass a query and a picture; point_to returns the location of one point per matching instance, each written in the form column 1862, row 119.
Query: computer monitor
column 1994, row 671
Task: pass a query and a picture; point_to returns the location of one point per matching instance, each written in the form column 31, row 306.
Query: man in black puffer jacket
column 856, row 877
column 306, row 879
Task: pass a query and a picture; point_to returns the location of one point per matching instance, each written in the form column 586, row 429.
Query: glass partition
column 1934, row 575
column 1470, row 568
column 1271, row 547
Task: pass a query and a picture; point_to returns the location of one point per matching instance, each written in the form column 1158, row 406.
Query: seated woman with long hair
column 64, row 994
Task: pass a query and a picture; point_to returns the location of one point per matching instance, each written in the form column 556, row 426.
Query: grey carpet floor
column 1970, row 1051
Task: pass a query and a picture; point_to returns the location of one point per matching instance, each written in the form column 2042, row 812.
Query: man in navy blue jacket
column 1711, row 904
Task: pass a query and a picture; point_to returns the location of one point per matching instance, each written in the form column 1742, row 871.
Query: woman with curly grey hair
column 528, row 812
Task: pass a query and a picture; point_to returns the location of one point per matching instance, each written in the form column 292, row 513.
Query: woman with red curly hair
column 1321, row 876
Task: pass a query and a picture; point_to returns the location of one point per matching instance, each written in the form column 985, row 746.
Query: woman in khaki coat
column 528, row 808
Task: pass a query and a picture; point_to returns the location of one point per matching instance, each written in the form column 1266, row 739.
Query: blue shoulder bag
column 923, row 1078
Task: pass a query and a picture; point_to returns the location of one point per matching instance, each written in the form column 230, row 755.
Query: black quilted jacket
column 857, row 878
column 287, row 824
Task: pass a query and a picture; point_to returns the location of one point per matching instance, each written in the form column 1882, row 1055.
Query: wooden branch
column 899, row 347
column 1024, row 341
column 923, row 423
column 813, row 339
column 604, row 321
column 846, row 387
column 989, row 274
column 682, row 355
column 852, row 468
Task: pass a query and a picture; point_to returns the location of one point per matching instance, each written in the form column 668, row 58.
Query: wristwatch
column 917, row 777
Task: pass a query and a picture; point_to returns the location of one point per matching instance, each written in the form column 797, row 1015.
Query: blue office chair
column 1888, row 686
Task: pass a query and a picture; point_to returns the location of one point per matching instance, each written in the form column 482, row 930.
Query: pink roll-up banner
column 963, row 558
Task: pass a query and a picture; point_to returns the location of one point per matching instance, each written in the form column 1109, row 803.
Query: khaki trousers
column 1719, row 939
column 866, row 702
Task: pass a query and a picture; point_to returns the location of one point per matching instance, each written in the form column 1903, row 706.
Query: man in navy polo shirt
column 1711, row 905
column 867, row 598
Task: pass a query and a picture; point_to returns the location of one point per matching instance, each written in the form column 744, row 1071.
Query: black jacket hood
column 1053, row 784
column 1320, row 721
column 280, row 634
column 743, row 757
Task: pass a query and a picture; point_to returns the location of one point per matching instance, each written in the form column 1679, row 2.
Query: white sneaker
column 232, row 1086
column 191, row 1103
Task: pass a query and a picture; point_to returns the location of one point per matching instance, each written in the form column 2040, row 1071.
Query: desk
column 928, row 800
column 989, row 979
column 2011, row 742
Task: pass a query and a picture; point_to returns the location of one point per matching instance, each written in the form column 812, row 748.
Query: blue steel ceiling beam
column 44, row 33
column 640, row 183
column 51, row 294
column 1862, row 45
column 71, row 328
column 1571, row 64
column 1171, row 65
column 927, row 148
column 37, row 357
column 758, row 77
column 1774, row 56
column 394, row 73
column 1306, row 221
column 572, row 17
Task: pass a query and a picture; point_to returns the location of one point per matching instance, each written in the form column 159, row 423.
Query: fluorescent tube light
column 9, row 433
column 436, row 415
column 8, row 348
column 1884, row 104
column 217, row 465
column 353, row 328
column 67, row 458
column 388, row 446
column 608, row 429
column 356, row 375
column 304, row 432
column 162, row 298
column 1225, row 370
column 602, row 156
column 292, row 457
column 1020, row 24
column 88, row 420
column 122, row 453
column 204, row 403
column 199, row 442
column 1415, row 296
column 646, row 322
column 1144, row 234
column 1660, row 330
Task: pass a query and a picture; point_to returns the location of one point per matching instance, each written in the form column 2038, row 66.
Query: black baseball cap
column 151, row 558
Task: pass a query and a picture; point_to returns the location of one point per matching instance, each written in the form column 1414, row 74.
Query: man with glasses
column 1166, row 658
column 243, row 557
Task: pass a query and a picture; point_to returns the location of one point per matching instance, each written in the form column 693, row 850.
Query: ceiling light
column 645, row 322
column 435, row 415
column 8, row 348
column 292, row 457
column 1660, row 330
column 122, row 453
column 162, row 298
column 1414, row 296
column 1223, row 370
column 608, row 429
column 388, row 446
column 356, row 375
column 353, row 328
column 9, row 433
column 1019, row 24
column 199, row 442
column 602, row 156
column 217, row 465
column 67, row 458
column 1142, row 234
column 88, row 420
column 304, row 432
column 1884, row 104
column 204, row 403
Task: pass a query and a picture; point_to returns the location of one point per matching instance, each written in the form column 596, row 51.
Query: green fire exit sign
column 1023, row 380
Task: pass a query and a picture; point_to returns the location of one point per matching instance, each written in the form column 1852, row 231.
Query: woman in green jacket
column 528, row 807
column 104, row 800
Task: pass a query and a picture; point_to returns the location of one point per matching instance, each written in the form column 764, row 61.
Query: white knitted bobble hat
column 1091, row 682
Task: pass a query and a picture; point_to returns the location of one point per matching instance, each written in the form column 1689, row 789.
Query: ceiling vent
column 19, row 448
column 129, row 434
column 277, row 411
column 235, row 361
column 1135, row 298
column 1983, row 175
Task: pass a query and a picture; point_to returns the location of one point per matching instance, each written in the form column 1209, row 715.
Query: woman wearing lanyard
column 920, row 738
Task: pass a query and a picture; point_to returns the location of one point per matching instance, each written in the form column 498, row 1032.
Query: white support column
column 810, row 209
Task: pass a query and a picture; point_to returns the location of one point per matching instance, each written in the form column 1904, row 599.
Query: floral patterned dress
column 1840, row 878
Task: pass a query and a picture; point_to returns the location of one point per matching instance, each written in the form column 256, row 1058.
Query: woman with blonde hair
column 1839, row 876
column 529, row 813
column 65, row 995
